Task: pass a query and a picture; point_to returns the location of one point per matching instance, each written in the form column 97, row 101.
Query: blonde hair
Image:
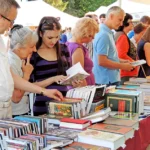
column 85, row 27
column 146, row 36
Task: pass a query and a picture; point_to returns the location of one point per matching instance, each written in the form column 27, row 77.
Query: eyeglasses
column 11, row 21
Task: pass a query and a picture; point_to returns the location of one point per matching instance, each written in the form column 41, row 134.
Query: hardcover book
column 74, row 123
column 100, row 138
column 123, row 122
column 83, row 146
column 126, row 131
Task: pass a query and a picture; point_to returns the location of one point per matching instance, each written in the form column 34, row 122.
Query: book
column 98, row 118
column 125, row 101
column 61, row 109
column 128, row 87
column 138, row 62
column 74, row 123
column 123, row 122
column 76, row 72
column 124, row 115
column 128, row 132
column 138, row 80
column 65, row 133
column 83, row 146
column 100, row 138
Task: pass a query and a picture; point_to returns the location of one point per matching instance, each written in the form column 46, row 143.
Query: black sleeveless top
column 141, row 55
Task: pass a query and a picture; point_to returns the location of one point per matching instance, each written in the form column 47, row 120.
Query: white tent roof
column 31, row 13
column 134, row 8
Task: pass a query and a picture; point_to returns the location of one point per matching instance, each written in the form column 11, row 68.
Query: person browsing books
column 105, row 57
column 83, row 32
column 126, row 49
column 8, row 79
column 22, row 45
column 50, row 62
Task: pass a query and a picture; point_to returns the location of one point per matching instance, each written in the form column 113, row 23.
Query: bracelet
column 42, row 92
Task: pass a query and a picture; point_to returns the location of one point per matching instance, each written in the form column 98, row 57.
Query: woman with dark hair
column 50, row 62
column 126, row 49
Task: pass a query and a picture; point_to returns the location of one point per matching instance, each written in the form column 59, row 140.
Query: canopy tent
column 31, row 13
column 136, row 9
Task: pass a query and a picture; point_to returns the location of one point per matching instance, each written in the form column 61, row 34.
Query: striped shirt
column 44, row 69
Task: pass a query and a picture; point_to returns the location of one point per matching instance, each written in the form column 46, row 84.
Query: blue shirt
column 104, row 44
column 130, row 34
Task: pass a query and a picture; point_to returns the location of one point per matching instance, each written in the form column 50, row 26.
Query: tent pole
column 119, row 1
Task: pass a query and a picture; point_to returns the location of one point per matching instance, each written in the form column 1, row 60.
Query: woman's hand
column 53, row 93
column 59, row 78
column 27, row 68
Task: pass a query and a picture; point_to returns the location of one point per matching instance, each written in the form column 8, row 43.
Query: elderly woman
column 83, row 32
column 144, row 53
column 22, row 45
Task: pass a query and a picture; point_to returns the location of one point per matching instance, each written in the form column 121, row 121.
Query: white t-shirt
column 6, row 80
column 23, row 106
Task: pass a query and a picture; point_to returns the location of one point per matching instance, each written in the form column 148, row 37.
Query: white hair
column 22, row 37
column 114, row 10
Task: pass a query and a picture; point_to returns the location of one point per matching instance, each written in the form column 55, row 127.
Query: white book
column 101, row 112
column 76, row 72
column 100, row 138
column 138, row 80
column 96, row 119
column 138, row 62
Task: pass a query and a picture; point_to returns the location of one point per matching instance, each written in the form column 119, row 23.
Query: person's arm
column 78, row 56
column 22, row 84
column 122, row 46
column 105, row 62
column 102, row 50
column 50, row 80
column 147, row 52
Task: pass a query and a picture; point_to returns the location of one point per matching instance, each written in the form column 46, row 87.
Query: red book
column 74, row 123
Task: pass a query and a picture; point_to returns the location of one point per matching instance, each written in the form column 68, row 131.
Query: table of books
column 141, row 138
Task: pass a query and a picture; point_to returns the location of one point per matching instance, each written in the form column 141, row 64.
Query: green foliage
column 80, row 7
column 59, row 4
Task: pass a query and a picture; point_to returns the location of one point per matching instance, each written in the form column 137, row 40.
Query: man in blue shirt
column 105, row 56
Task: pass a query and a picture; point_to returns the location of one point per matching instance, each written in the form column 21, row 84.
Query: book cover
column 83, row 146
column 123, row 122
column 124, row 115
column 100, row 138
column 121, row 103
column 66, row 133
column 76, row 72
column 127, row 131
column 61, row 109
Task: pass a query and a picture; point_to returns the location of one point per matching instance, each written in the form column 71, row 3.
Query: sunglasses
column 11, row 21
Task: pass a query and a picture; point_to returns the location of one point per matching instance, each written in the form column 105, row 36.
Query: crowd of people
column 36, row 61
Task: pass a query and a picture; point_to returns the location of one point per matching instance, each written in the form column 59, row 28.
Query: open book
column 138, row 62
column 76, row 72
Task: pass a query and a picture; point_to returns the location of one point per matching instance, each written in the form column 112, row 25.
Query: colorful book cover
column 61, row 109
column 76, row 121
column 121, row 103
column 110, row 128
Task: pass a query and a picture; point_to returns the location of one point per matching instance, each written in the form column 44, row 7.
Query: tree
column 80, row 7
column 59, row 4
